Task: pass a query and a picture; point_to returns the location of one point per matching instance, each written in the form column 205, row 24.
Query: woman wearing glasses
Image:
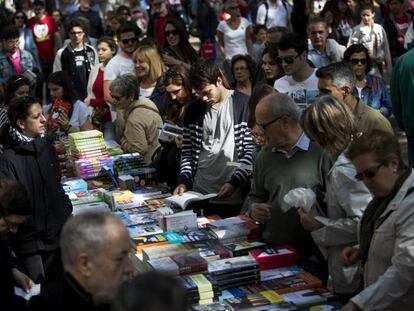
column 243, row 69
column 386, row 235
column 331, row 124
column 176, row 42
column 372, row 89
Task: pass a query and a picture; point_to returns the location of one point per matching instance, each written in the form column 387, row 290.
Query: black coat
column 36, row 166
column 64, row 295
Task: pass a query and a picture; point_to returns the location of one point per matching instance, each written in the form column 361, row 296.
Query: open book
column 189, row 197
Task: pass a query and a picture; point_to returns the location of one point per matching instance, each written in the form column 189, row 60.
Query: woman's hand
column 181, row 188
column 309, row 223
column 260, row 212
column 87, row 101
column 350, row 256
column 179, row 141
column 22, row 280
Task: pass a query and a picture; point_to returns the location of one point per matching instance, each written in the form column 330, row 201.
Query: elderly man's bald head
column 276, row 105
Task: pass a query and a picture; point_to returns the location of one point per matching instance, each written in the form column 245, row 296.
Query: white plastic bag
column 300, row 198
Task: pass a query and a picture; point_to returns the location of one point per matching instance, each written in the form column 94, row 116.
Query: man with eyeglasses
column 300, row 82
column 217, row 152
column 289, row 160
column 160, row 12
column 13, row 60
column 338, row 80
column 322, row 51
column 77, row 58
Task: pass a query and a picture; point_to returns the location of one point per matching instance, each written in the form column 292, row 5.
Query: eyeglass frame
column 264, row 126
column 371, row 171
column 282, row 59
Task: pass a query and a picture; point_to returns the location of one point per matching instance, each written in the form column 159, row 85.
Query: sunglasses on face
column 131, row 40
column 172, row 32
column 286, row 59
column 356, row 61
column 369, row 173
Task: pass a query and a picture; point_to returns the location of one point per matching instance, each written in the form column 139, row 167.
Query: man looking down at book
column 216, row 133
column 95, row 254
column 289, row 160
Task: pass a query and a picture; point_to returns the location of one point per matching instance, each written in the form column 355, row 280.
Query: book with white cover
column 189, row 197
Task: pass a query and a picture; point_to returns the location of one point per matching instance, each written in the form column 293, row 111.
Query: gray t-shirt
column 217, row 148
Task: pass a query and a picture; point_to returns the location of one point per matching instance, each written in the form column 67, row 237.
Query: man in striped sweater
column 216, row 135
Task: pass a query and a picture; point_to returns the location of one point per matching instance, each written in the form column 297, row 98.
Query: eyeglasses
column 264, row 126
column 130, row 40
column 117, row 98
column 286, row 59
column 76, row 33
column 370, row 172
column 172, row 32
column 356, row 61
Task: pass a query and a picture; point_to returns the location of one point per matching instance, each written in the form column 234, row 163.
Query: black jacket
column 36, row 166
column 159, row 97
column 64, row 295
column 397, row 49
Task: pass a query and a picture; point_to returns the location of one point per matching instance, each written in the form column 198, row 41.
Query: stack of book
column 113, row 148
column 235, row 229
column 180, row 264
column 74, row 185
column 275, row 257
column 233, row 272
column 200, row 288
column 128, row 164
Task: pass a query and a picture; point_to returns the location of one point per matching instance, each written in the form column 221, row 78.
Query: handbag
column 207, row 50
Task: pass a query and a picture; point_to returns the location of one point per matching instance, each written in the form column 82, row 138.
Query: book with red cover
column 275, row 257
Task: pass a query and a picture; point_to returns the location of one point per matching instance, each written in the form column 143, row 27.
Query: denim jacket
column 7, row 69
column 375, row 94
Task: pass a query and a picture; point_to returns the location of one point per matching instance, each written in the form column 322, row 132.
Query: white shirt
column 302, row 93
column 146, row 92
column 117, row 66
column 277, row 15
column 234, row 40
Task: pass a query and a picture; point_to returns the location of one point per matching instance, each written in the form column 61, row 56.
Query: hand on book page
column 188, row 197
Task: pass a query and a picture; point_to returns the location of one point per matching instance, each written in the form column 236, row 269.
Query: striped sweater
column 193, row 138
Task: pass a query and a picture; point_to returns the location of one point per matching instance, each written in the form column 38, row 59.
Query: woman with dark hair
column 343, row 21
column 14, row 210
column 243, row 70
column 386, row 235
column 16, row 86
column 272, row 70
column 26, row 41
column 66, row 114
column 100, row 111
column 179, row 94
column 30, row 159
column 370, row 88
column 176, row 42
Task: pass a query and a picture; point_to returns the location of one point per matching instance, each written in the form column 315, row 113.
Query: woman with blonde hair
column 149, row 69
column 331, row 124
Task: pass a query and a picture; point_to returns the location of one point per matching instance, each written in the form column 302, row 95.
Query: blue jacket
column 30, row 45
column 7, row 69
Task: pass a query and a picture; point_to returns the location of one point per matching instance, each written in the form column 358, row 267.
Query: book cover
column 294, row 283
column 190, row 263
column 189, row 197
column 166, row 251
column 164, row 265
column 143, row 230
column 141, row 242
column 275, row 257
column 243, row 248
column 230, row 265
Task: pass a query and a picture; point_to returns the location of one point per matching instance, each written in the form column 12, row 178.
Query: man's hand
column 307, row 219
column 22, row 280
column 225, row 191
column 181, row 188
column 260, row 212
column 350, row 256
column 350, row 306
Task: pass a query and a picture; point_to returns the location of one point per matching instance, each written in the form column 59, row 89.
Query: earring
column 395, row 170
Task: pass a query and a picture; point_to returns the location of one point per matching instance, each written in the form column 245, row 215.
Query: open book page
column 188, row 197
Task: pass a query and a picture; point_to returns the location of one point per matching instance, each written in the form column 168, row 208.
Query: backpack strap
column 267, row 11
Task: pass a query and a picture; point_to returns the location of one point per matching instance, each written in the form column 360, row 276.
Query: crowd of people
column 280, row 95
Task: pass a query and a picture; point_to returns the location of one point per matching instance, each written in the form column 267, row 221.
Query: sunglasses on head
column 369, row 173
column 172, row 32
column 356, row 61
column 286, row 59
column 131, row 40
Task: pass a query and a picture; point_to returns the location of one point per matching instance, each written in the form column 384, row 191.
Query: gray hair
column 340, row 73
column 126, row 85
column 84, row 233
column 282, row 105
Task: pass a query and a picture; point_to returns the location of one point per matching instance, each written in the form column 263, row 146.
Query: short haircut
column 127, row 27
column 316, row 20
column 126, row 85
column 84, row 233
column 283, row 105
column 62, row 79
column 204, row 72
column 340, row 73
column 259, row 92
column 10, row 32
column 151, row 56
column 330, row 123
column 14, row 199
column 251, row 65
column 151, row 291
column 380, row 143
column 366, row 6
column 294, row 41
column 358, row 48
